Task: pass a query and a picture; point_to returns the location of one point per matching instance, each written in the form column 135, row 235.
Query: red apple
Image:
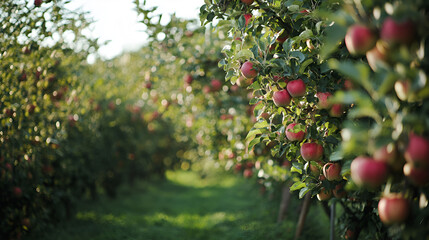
column 248, row 2
column 247, row 18
column 244, row 82
column 398, row 32
column 17, row 192
column 323, row 100
column 324, row 194
column 277, row 78
column 296, row 88
column 336, row 110
column 349, row 235
column 315, row 169
column 393, row 208
column 294, row 136
column 339, row 191
column 418, row 150
column 238, row 167
column 365, row 171
column 248, row 71
column 216, row 85
column 38, row 3
column 418, row 176
column 281, row 98
column 265, row 116
column 311, row 152
column 389, row 155
column 332, row 171
column 206, row 89
column 188, row 79
column 247, row 173
column 360, row 39
column 377, row 56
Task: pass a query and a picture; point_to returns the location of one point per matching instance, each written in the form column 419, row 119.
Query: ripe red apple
column 248, row 2
column 244, row 82
column 332, row 171
column 277, row 78
column 389, row 155
column 339, row 191
column 311, row 152
column 336, row 110
column 38, row 3
column 281, row 98
column 248, row 71
column 365, row 171
column 294, row 136
column 393, row 208
column 188, row 79
column 238, row 167
column 360, row 39
column 418, row 176
column 323, row 99
column 349, row 235
column 247, row 18
column 247, row 173
column 418, row 150
column 377, row 56
column 324, row 194
column 398, row 32
column 206, row 89
column 17, row 192
column 216, row 85
column 315, row 169
column 265, row 116
column 296, row 88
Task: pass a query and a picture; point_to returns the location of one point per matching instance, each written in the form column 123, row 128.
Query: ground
column 186, row 206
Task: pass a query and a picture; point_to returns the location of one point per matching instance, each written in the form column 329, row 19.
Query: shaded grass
column 185, row 206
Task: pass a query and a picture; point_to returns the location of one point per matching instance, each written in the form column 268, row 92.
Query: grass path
column 183, row 207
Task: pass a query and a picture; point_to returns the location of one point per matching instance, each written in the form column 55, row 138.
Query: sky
column 116, row 20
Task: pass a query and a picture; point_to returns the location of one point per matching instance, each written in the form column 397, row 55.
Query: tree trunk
column 284, row 202
column 303, row 215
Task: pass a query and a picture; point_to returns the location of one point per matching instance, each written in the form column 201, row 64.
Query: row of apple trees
column 68, row 130
column 340, row 90
column 212, row 115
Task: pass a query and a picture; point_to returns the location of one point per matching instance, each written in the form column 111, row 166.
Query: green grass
column 186, row 207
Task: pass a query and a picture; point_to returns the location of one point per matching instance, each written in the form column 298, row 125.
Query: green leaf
column 244, row 54
column 297, row 167
column 336, row 156
column 303, row 191
column 298, row 55
column 254, row 142
column 296, row 186
column 304, row 65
